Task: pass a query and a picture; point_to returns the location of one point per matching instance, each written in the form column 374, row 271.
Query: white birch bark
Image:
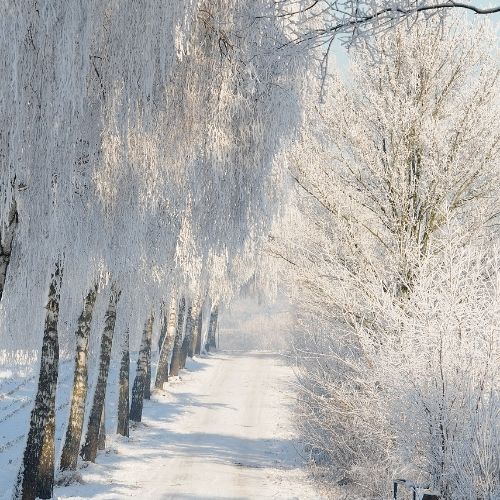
column 69, row 455
column 141, row 379
column 123, row 400
column 36, row 477
column 212, row 328
column 176, row 350
column 166, row 347
column 6, row 239
column 89, row 449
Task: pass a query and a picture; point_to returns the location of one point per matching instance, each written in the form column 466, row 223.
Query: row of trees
column 137, row 144
column 181, row 336
column 390, row 249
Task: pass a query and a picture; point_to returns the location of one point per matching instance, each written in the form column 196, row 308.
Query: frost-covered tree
column 134, row 146
column 409, row 144
column 390, row 250
column 354, row 20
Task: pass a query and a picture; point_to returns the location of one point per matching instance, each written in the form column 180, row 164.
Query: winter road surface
column 220, row 431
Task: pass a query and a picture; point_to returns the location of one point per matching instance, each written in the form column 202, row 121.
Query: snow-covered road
column 220, row 431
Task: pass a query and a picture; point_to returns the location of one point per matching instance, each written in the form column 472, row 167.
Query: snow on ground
column 18, row 378
column 221, row 430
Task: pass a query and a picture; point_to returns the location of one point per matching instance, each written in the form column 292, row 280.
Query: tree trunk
column 168, row 339
column 147, row 384
column 175, row 362
column 184, row 352
column 123, row 400
column 101, row 440
column 163, row 329
column 6, row 239
column 193, row 332
column 197, row 349
column 212, row 328
column 36, row 477
column 186, row 342
column 140, row 381
column 69, row 456
column 89, row 449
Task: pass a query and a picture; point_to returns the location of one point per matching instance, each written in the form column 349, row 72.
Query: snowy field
column 220, row 430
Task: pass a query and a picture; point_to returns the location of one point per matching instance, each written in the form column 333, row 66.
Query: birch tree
column 175, row 362
column 89, row 449
column 169, row 324
column 69, row 455
column 36, row 477
column 124, row 394
column 141, row 378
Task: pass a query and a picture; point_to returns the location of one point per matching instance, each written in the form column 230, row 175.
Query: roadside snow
column 221, row 430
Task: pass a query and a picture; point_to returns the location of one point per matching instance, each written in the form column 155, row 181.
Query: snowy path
column 220, row 432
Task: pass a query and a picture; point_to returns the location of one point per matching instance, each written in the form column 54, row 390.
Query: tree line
column 136, row 164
